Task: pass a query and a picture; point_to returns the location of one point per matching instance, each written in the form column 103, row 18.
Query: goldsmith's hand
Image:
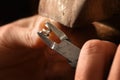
column 23, row 55
column 98, row 60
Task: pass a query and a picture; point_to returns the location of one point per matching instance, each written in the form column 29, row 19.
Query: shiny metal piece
column 65, row 47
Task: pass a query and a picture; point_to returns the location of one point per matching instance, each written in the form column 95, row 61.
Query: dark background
column 11, row 10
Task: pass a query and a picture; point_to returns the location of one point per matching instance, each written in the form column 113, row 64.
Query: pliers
column 65, row 47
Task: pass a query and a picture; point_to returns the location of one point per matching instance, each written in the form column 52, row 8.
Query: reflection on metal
column 65, row 47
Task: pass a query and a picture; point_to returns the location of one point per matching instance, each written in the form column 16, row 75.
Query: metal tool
column 65, row 47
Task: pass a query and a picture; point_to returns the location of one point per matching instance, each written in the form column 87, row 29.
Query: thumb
column 95, row 60
column 23, row 33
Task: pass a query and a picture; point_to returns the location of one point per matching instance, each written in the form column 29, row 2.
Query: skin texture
column 24, row 56
column 95, row 61
column 115, row 69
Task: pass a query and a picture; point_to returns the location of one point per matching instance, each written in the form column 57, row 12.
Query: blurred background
column 11, row 10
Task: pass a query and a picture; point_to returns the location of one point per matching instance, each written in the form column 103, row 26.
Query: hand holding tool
column 65, row 47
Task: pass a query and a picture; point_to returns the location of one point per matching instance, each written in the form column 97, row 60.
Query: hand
column 98, row 60
column 24, row 56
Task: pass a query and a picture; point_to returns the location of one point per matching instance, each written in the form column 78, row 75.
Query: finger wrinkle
column 95, row 57
column 93, row 46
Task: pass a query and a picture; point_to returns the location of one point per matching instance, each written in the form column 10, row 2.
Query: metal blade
column 61, row 35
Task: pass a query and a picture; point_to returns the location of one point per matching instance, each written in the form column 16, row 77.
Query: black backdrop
column 11, row 10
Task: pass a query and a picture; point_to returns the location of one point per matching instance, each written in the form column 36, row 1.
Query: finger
column 115, row 69
column 23, row 32
column 95, row 57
